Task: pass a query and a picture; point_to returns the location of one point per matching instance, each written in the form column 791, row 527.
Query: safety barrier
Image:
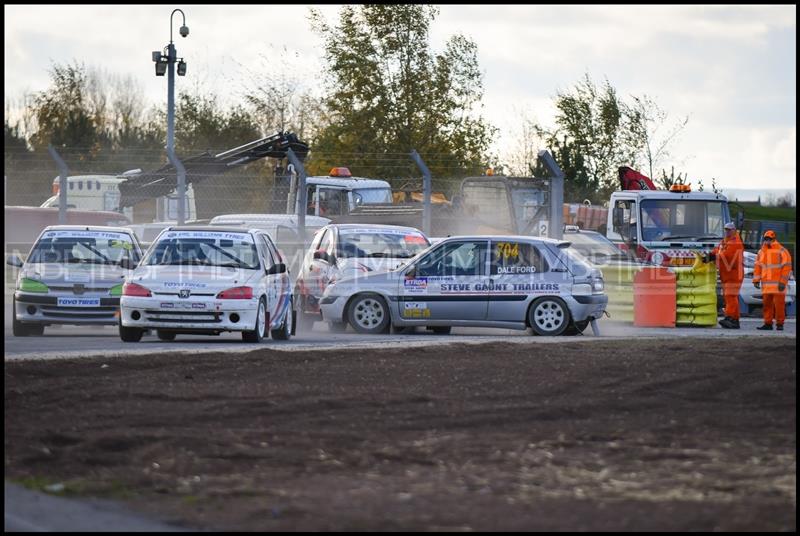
column 654, row 297
column 696, row 294
column 618, row 280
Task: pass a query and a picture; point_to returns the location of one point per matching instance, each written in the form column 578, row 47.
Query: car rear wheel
column 260, row 329
column 284, row 332
column 368, row 313
column 549, row 316
column 165, row 335
column 130, row 334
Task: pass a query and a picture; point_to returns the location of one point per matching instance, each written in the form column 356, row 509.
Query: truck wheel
column 549, row 316
column 368, row 313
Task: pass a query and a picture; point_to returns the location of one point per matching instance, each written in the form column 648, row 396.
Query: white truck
column 666, row 227
column 101, row 192
column 339, row 194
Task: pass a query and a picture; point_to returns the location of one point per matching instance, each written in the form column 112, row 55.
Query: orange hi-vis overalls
column 730, row 264
column 773, row 266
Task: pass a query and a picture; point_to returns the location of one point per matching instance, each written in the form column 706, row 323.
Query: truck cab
column 340, row 193
column 664, row 227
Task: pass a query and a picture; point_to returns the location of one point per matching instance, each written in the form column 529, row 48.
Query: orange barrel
column 654, row 297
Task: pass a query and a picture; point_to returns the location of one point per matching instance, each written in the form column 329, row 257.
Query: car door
column 271, row 282
column 282, row 281
column 517, row 269
column 447, row 283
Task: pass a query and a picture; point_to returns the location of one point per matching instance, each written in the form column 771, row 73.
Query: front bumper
column 194, row 314
column 36, row 308
column 332, row 308
column 585, row 307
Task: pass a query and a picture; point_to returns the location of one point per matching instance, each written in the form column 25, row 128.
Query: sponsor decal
column 455, row 288
column 516, row 269
column 536, row 287
column 198, row 306
column 416, row 310
column 375, row 230
column 420, row 282
column 173, row 284
column 78, row 302
column 208, row 234
column 167, row 305
column 88, row 234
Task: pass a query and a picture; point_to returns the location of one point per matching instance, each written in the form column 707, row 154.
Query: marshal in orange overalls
column 772, row 271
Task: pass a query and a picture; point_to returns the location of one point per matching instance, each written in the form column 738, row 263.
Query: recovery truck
column 665, row 227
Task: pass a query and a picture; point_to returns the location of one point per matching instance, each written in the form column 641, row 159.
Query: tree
column 62, row 113
column 607, row 132
column 388, row 93
column 650, row 126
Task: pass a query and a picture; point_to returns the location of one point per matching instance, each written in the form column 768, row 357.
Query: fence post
column 556, row 195
column 303, row 195
column 426, row 191
column 175, row 161
column 63, row 184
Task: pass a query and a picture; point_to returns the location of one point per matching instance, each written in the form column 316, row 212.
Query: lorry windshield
column 681, row 219
column 368, row 196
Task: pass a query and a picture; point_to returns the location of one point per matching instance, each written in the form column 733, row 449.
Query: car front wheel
column 368, row 313
column 549, row 316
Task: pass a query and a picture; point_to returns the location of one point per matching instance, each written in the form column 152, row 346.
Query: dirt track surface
column 689, row 434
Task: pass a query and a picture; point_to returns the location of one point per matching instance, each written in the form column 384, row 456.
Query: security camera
column 184, row 31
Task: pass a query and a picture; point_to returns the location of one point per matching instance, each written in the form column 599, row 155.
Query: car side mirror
column 14, row 260
column 412, row 272
column 325, row 256
column 126, row 264
column 277, row 269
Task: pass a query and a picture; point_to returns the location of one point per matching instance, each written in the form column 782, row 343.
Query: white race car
column 206, row 280
column 348, row 250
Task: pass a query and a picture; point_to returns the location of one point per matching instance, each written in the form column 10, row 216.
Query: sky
column 730, row 69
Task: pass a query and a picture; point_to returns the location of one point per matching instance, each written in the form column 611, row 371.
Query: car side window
column 454, row 259
column 276, row 256
column 264, row 251
column 513, row 257
column 327, row 244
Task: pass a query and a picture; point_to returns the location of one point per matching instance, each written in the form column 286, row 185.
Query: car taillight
column 236, row 293
column 132, row 289
column 55, row 188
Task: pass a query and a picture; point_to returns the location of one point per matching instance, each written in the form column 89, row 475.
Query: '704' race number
column 507, row 250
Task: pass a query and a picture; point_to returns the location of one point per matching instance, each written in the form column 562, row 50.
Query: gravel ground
column 667, row 435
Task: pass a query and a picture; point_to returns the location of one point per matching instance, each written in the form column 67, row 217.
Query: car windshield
column 594, row 247
column 200, row 248
column 399, row 244
column 83, row 247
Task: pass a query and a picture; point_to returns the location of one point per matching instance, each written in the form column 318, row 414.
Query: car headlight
column 31, row 285
column 598, row 285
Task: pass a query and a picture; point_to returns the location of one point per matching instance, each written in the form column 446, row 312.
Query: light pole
column 167, row 63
